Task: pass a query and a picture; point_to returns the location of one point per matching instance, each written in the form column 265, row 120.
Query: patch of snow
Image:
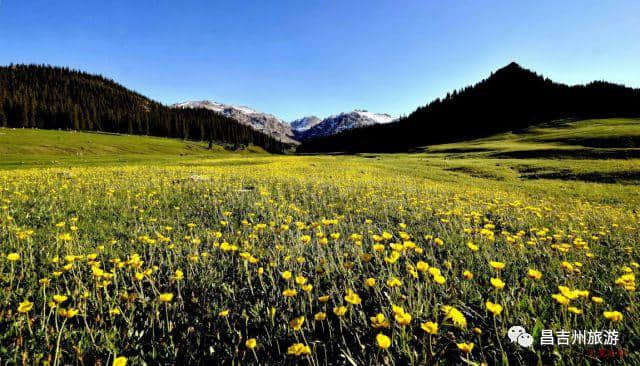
column 378, row 117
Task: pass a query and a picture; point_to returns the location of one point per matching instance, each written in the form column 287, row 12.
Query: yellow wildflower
column 455, row 316
column 352, row 298
column 13, row 257
column 430, row 327
column 379, row 321
column 465, row 347
column 120, row 361
column 251, row 343
column 383, row 341
column 25, row 306
column 497, row 283
column 534, row 274
column 495, row 309
column 289, row 292
column 614, row 316
column 370, row 282
column 298, row 349
column 59, row 298
column 340, row 310
column 296, row 323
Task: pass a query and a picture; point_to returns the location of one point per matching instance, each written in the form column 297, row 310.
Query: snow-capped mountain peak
column 341, row 122
column 302, row 129
column 378, row 117
column 305, row 123
column 259, row 121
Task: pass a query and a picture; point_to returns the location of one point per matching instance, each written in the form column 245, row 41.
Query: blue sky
column 299, row 57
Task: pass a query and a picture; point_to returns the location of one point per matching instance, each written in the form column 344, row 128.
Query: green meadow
column 161, row 251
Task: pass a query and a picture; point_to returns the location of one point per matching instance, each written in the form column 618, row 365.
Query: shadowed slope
column 511, row 99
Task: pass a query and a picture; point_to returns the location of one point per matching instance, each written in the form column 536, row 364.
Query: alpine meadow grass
column 254, row 258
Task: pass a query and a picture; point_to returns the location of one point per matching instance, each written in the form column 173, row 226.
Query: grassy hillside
column 512, row 98
column 29, row 147
column 561, row 139
column 256, row 258
column 605, row 151
column 54, row 98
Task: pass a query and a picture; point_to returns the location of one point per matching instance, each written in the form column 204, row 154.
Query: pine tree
column 76, row 118
column 3, row 119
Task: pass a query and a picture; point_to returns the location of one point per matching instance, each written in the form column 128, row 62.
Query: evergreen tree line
column 511, row 99
column 35, row 96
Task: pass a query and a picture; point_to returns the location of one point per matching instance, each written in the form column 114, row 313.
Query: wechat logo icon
column 518, row 334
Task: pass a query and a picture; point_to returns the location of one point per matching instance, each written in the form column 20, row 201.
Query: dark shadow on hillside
column 569, row 154
column 628, row 177
column 461, row 150
column 601, row 142
column 473, row 172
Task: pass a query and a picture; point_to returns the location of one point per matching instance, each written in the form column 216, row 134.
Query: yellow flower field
column 312, row 260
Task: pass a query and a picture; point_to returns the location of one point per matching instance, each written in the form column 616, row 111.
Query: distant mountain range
column 511, row 99
column 338, row 123
column 297, row 131
column 259, row 121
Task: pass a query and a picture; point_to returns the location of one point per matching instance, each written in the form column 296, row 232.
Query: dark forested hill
column 59, row 98
column 512, row 98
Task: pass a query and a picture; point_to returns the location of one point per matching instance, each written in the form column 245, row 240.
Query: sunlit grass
column 286, row 259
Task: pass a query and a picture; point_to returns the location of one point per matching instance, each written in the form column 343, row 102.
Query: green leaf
column 505, row 360
column 537, row 329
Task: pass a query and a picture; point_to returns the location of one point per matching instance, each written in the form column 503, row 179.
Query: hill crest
column 511, row 98
column 48, row 97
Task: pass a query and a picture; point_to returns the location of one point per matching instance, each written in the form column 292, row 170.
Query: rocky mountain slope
column 305, row 123
column 341, row 122
column 259, row 121
column 302, row 129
